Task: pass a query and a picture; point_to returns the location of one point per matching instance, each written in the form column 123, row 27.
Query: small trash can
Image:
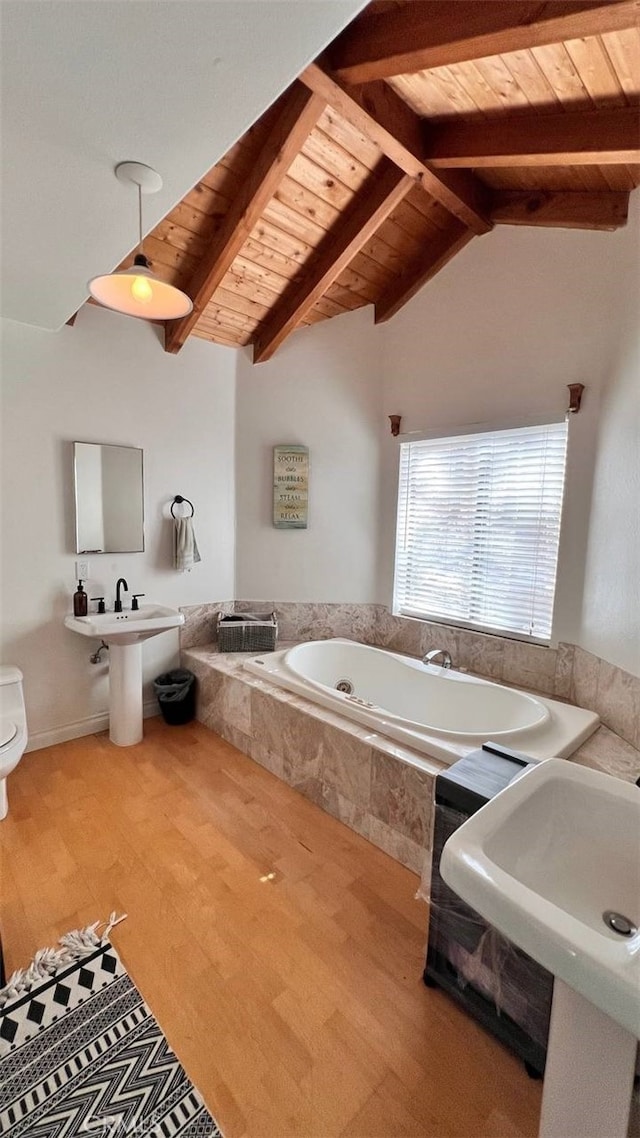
column 176, row 692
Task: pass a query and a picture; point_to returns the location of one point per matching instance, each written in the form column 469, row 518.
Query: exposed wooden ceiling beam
column 382, row 116
column 578, row 138
column 430, row 34
column 379, row 196
column 437, row 254
column 300, row 114
column 561, row 210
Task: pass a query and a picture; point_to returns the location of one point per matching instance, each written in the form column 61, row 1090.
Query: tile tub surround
column 200, row 623
column 382, row 790
column 305, row 621
column 613, row 693
column 566, row 672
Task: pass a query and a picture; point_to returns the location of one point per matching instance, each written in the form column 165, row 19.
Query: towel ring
column 178, row 500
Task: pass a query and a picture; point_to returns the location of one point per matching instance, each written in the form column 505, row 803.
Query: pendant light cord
column 141, row 250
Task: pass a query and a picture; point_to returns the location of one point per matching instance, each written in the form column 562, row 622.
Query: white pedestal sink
column 124, row 633
column 543, row 861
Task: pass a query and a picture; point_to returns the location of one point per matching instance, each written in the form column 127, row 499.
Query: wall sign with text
column 290, row 487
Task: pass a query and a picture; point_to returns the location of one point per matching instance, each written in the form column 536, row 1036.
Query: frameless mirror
column 109, row 498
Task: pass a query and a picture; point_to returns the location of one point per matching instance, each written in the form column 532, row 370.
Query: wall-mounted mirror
column 109, row 498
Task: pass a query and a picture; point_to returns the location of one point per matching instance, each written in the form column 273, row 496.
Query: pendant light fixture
column 137, row 291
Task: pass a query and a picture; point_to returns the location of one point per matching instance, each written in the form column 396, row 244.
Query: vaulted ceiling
column 88, row 85
column 424, row 125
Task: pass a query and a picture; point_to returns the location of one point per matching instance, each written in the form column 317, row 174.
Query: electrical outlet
column 82, row 570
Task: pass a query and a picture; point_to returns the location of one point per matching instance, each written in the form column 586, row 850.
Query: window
column 478, row 529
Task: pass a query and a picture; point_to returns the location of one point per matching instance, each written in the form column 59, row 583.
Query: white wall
column 610, row 624
column 106, row 380
column 495, row 338
column 321, row 390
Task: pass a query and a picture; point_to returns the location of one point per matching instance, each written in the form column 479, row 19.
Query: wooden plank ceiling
column 426, row 123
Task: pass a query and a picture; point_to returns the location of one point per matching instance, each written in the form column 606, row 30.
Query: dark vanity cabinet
column 497, row 983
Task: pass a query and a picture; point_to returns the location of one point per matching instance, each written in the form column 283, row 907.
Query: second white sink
column 543, row 861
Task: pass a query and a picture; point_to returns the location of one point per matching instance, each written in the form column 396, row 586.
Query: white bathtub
column 437, row 711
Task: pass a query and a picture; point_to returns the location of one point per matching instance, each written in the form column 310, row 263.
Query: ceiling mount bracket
column 138, row 174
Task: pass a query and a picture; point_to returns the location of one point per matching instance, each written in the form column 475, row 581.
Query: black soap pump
column 80, row 601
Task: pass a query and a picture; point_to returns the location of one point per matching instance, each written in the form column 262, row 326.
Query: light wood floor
column 295, row 1004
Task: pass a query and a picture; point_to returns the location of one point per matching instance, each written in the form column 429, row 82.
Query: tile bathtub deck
column 605, row 750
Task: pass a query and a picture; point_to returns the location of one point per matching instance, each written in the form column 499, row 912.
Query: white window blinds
column 478, row 529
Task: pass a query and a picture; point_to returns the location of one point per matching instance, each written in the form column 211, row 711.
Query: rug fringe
column 47, row 961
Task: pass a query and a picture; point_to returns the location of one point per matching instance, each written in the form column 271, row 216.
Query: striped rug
column 81, row 1054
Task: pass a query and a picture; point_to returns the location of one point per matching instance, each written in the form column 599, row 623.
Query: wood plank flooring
column 296, row 1003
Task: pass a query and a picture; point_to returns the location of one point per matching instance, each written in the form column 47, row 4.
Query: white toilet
column 13, row 728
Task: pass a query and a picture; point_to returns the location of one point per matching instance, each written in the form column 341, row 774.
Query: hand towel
column 185, row 547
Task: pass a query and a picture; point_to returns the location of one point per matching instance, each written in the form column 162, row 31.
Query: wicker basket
column 247, row 632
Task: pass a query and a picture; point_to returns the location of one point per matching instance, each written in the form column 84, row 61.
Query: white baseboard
column 92, row 725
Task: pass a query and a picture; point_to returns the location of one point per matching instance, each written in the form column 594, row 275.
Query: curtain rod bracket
column 575, row 397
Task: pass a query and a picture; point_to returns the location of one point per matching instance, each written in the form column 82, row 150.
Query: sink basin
column 542, row 862
column 126, row 627
column 124, row 633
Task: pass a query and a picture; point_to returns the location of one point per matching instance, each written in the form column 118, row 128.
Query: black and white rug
column 81, row 1054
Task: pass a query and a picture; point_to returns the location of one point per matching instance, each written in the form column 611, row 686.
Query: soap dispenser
column 80, row 601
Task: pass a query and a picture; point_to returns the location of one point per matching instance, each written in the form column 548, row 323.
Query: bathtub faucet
column 431, row 657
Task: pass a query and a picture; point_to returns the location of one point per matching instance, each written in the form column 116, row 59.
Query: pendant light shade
column 138, row 291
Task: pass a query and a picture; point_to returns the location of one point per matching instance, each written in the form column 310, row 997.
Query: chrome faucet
column 432, row 656
column 118, row 605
